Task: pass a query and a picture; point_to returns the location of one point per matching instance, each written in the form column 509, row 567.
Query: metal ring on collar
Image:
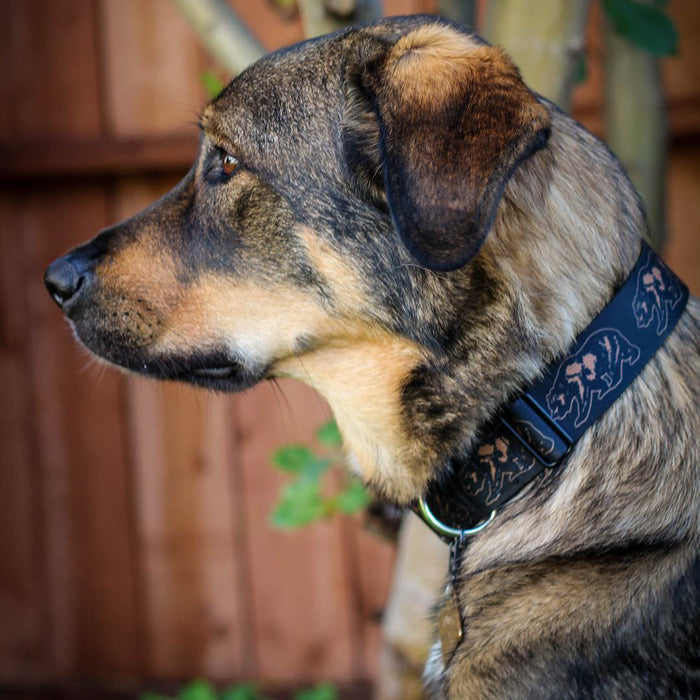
column 446, row 530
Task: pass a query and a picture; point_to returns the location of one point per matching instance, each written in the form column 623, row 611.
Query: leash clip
column 445, row 530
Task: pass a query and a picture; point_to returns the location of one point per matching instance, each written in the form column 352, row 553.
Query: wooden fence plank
column 407, row 7
column 8, row 115
column 153, row 65
column 269, row 26
column 376, row 563
column 54, row 68
column 22, row 651
column 681, row 74
column 192, row 605
column 194, row 610
column 24, row 159
column 82, row 469
column 683, row 248
column 300, row 593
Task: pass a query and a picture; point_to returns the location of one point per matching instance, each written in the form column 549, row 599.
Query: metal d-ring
column 446, row 530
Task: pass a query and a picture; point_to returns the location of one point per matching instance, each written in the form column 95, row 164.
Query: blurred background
column 136, row 549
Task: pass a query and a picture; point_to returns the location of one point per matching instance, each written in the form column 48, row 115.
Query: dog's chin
column 209, row 372
column 212, row 372
column 216, row 370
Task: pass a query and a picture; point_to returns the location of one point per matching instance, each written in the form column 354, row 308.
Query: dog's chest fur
column 588, row 586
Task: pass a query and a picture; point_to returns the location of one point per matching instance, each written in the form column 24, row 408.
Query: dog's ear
column 454, row 120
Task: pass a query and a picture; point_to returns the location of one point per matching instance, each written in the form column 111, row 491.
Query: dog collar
column 538, row 430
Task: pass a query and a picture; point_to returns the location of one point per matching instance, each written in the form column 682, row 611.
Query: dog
column 390, row 215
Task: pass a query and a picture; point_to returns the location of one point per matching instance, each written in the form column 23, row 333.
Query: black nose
column 62, row 280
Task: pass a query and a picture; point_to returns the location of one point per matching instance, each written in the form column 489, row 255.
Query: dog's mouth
column 215, row 372
column 221, row 372
column 221, row 376
column 216, row 368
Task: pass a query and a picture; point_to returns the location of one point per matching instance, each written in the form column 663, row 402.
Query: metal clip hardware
column 445, row 530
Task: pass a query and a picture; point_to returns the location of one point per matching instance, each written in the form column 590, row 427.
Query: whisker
column 284, row 406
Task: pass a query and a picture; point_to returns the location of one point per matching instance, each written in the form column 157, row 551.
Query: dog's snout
column 63, row 280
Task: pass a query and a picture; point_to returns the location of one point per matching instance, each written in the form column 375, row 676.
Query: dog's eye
column 220, row 166
column 229, row 164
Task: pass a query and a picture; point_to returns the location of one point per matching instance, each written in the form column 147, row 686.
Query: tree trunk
column 635, row 123
column 460, row 11
column 419, row 576
column 544, row 38
column 222, row 33
column 324, row 16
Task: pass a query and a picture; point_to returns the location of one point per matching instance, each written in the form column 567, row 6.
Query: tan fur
column 139, row 290
column 349, row 360
column 142, row 270
column 540, row 598
column 262, row 320
column 362, row 379
column 349, row 289
column 431, row 65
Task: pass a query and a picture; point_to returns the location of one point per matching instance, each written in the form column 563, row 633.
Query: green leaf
column 581, row 70
column 353, row 498
column 247, row 691
column 647, row 26
column 212, row 85
column 329, row 435
column 323, row 691
column 301, row 504
column 198, row 690
column 297, row 459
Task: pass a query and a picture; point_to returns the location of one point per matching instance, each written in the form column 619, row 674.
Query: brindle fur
column 350, row 250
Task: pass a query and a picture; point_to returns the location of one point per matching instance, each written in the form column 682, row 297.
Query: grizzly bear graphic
column 657, row 291
column 499, row 463
column 595, row 370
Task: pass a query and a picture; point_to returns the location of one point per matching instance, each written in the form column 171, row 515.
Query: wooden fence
column 134, row 536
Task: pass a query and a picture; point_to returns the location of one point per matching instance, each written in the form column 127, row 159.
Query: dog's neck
column 537, row 430
column 628, row 446
column 361, row 378
column 404, row 405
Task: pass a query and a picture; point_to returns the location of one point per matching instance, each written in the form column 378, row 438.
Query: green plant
column 323, row 691
column 203, row 690
column 319, row 489
column 645, row 25
column 212, row 84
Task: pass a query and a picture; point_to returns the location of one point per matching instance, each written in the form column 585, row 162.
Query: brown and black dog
column 390, row 215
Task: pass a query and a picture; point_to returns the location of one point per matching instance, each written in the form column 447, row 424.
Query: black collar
column 538, row 429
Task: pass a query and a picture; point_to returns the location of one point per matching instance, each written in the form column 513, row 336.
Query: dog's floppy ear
column 455, row 119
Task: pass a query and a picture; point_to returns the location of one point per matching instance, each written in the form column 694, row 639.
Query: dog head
column 337, row 181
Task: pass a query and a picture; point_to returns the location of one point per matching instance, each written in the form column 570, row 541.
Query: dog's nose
column 63, row 280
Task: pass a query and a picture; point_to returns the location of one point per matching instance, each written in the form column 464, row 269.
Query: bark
column 635, row 123
column 460, row 11
column 419, row 576
column 222, row 33
column 324, row 16
column 544, row 38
